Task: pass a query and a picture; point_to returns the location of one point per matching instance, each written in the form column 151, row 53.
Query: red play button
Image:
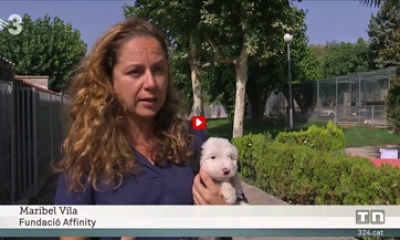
column 199, row 122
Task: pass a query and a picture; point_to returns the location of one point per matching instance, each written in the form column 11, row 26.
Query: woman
column 126, row 143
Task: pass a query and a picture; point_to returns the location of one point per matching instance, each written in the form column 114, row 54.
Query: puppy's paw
column 229, row 198
column 228, row 193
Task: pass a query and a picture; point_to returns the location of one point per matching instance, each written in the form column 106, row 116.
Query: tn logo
column 370, row 216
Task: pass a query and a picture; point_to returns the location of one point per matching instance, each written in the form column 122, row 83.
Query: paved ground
column 367, row 151
column 254, row 195
column 258, row 197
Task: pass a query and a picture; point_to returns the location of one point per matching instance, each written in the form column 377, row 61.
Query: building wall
column 42, row 81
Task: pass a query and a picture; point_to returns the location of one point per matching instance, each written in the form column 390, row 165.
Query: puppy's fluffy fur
column 220, row 159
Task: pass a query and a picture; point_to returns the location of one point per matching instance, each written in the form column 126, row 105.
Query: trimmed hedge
column 329, row 138
column 249, row 147
column 302, row 175
column 305, row 168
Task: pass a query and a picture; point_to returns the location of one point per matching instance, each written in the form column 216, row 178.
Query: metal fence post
column 372, row 112
column 35, row 147
column 13, row 144
column 19, row 145
column 51, row 127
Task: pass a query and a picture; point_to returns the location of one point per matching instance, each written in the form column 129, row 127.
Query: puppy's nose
column 226, row 171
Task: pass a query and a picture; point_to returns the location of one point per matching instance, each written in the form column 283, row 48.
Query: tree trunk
column 242, row 67
column 194, row 62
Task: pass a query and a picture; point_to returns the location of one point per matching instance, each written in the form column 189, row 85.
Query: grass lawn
column 355, row 135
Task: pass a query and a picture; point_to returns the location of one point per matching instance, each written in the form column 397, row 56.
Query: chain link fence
column 351, row 99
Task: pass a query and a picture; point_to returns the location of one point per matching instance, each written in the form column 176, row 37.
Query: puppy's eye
column 212, row 157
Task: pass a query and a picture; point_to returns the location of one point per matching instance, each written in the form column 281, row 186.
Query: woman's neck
column 139, row 132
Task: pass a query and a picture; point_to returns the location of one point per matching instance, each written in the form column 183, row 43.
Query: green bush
column 246, row 153
column 329, row 138
column 393, row 104
column 294, row 169
column 300, row 175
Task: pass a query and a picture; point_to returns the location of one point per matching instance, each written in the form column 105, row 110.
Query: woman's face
column 141, row 76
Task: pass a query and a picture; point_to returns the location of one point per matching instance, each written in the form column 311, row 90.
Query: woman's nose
column 149, row 81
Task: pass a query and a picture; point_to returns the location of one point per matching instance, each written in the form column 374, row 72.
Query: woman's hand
column 210, row 194
column 128, row 238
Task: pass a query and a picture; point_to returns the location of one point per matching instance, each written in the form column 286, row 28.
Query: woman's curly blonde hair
column 95, row 148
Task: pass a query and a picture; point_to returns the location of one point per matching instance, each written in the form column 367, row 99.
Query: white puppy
column 220, row 159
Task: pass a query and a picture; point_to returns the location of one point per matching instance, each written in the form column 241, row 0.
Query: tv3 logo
column 14, row 21
column 370, row 216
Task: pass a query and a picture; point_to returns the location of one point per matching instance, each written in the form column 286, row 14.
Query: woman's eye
column 160, row 70
column 212, row 157
column 133, row 72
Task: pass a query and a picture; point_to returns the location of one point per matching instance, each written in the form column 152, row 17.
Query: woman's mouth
column 149, row 100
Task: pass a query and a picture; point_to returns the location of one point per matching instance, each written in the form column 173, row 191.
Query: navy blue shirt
column 153, row 185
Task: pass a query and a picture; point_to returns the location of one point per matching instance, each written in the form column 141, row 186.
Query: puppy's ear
column 235, row 152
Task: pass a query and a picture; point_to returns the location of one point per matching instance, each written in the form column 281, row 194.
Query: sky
column 340, row 20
